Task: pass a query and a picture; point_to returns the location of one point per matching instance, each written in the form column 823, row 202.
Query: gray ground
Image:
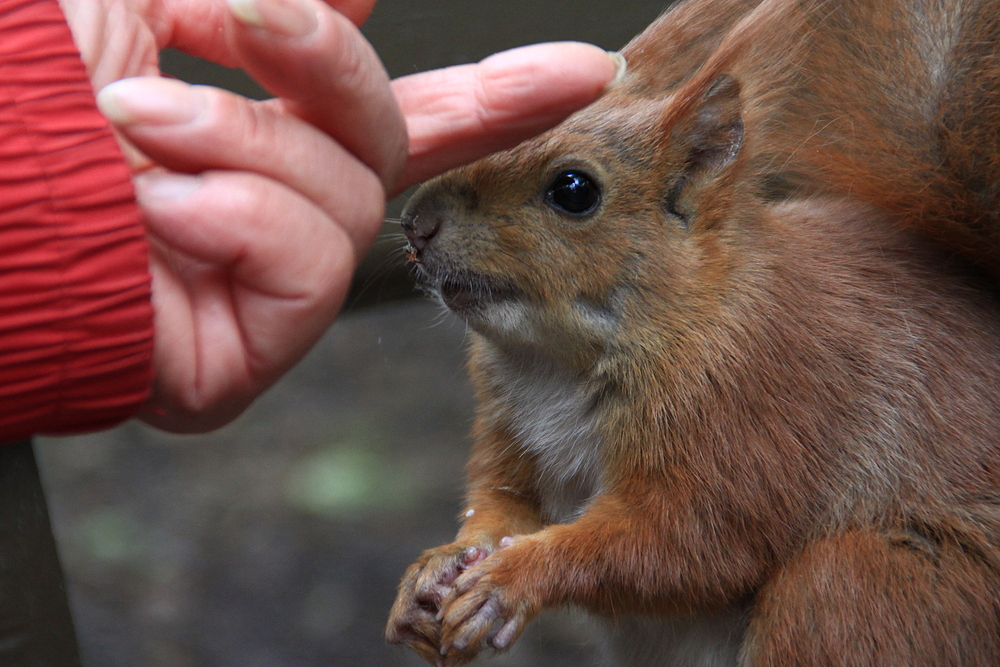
column 278, row 541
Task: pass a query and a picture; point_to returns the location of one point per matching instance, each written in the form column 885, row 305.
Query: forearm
column 75, row 314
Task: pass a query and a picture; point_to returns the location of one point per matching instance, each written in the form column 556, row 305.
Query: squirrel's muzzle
column 419, row 227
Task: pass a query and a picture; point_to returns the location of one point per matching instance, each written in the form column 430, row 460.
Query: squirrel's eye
column 573, row 192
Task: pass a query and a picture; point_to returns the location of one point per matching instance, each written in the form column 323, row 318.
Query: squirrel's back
column 894, row 103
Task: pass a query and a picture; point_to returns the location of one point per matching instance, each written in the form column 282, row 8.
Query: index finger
column 459, row 114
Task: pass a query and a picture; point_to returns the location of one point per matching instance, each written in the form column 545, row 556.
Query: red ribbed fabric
column 75, row 313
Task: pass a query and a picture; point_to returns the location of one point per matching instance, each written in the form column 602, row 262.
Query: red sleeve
column 75, row 314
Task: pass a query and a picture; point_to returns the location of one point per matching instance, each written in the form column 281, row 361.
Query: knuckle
column 352, row 56
column 248, row 124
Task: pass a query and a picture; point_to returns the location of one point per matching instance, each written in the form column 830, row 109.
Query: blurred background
column 278, row 541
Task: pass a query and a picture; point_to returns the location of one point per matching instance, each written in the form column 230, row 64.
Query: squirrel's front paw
column 413, row 620
column 486, row 607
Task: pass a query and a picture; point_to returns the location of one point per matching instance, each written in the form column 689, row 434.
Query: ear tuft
column 710, row 138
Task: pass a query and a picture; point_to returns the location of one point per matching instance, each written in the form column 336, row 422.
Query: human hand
column 258, row 211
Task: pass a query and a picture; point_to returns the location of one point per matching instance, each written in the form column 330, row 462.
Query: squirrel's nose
column 420, row 229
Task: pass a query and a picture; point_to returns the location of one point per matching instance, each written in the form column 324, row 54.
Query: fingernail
column 504, row 636
column 151, row 101
column 290, row 18
column 620, row 67
column 154, row 187
column 506, row 542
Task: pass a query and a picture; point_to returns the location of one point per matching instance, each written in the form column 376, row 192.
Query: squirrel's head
column 573, row 240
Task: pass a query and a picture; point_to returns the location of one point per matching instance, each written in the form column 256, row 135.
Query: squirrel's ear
column 703, row 141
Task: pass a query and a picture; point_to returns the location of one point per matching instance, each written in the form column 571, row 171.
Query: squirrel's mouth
column 463, row 291
column 466, row 292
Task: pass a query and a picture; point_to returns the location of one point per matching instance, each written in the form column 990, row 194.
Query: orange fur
column 760, row 381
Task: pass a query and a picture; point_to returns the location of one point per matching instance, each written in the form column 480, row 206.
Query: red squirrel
column 736, row 346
